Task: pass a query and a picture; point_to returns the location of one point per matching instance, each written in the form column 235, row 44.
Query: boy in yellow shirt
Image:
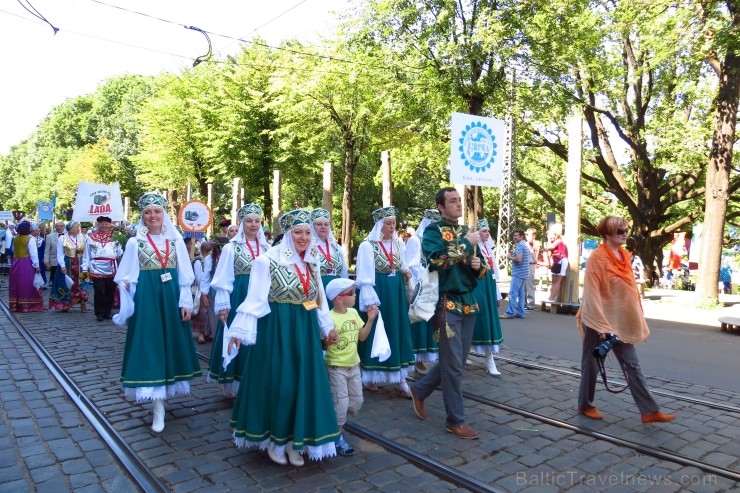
column 342, row 359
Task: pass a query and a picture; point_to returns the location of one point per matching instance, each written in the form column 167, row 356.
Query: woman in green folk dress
column 284, row 402
column 331, row 259
column 381, row 276
column 159, row 358
column 487, row 336
column 231, row 284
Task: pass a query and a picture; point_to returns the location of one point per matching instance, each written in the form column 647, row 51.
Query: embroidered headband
column 295, row 218
column 383, row 212
column 482, row 224
column 152, row 199
column 249, row 210
column 432, row 215
column 320, row 214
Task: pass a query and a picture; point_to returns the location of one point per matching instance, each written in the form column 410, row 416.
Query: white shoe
column 491, row 365
column 403, row 389
column 467, row 361
column 272, row 452
column 158, row 421
column 295, row 457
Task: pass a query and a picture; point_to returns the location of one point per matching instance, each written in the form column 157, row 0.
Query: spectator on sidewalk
column 725, row 276
column 534, row 253
column 520, row 267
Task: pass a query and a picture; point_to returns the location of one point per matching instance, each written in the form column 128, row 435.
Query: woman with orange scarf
column 611, row 305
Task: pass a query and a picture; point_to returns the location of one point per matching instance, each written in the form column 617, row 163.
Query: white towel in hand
column 381, row 347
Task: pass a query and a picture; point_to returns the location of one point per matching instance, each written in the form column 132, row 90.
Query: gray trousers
column 449, row 369
column 529, row 286
column 627, row 355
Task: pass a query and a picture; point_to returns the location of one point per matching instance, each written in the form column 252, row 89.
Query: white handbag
column 425, row 296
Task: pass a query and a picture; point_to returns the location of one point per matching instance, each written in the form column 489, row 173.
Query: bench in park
column 730, row 324
column 560, row 307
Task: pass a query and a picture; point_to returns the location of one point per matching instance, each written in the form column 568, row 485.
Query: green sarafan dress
column 284, row 395
column 232, row 272
column 330, row 270
column 159, row 358
column 422, row 333
column 487, row 334
column 374, row 268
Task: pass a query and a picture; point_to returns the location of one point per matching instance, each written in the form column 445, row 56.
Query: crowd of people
column 295, row 340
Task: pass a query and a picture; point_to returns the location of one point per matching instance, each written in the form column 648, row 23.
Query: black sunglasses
column 621, row 231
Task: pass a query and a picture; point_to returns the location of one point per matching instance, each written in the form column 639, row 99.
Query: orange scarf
column 610, row 301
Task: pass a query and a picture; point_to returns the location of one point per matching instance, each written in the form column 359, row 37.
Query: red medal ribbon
column 488, row 256
column 252, row 251
column 159, row 255
column 389, row 257
column 305, row 281
column 326, row 255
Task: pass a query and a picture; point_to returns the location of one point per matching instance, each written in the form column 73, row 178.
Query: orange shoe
column 657, row 417
column 592, row 413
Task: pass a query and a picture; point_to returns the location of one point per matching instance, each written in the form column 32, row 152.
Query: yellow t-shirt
column 344, row 352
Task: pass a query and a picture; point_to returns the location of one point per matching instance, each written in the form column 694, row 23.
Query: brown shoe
column 657, row 417
column 505, row 316
column 463, row 431
column 591, row 412
column 421, row 413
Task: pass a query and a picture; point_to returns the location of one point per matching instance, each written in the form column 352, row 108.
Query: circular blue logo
column 477, row 146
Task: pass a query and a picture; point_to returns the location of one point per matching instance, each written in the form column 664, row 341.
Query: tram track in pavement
column 615, row 383
column 420, row 460
column 643, row 448
column 437, row 468
column 468, row 482
column 142, row 475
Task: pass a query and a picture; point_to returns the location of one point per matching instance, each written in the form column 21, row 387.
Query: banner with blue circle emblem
column 476, row 150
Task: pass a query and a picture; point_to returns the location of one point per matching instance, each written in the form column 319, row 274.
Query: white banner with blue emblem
column 98, row 199
column 476, row 150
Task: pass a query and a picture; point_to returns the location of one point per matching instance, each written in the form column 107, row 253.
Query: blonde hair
column 608, row 225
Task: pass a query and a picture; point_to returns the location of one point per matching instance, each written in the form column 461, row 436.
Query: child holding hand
column 342, row 359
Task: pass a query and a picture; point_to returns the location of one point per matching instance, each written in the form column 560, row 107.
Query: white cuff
column 186, row 298
column 243, row 327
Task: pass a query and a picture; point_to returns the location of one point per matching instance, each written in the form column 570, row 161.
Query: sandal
column 344, row 448
column 371, row 387
column 201, row 339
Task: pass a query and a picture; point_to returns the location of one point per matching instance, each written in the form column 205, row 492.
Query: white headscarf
column 284, row 253
column 239, row 238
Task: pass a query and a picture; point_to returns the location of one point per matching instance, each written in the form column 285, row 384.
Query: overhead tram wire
column 38, row 15
column 266, row 23
column 257, row 43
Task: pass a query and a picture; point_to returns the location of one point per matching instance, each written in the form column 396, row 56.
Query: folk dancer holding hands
column 284, row 402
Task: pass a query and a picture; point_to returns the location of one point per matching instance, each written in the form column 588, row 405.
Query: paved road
column 698, row 353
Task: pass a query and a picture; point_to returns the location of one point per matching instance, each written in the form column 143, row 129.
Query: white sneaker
column 158, row 421
column 295, row 457
column 491, row 365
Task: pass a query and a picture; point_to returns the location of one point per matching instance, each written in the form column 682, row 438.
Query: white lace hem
column 315, row 453
column 484, row 349
column 427, row 357
column 229, row 388
column 140, row 394
column 384, row 377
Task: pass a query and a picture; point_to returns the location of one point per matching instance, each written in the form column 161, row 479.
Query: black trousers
column 105, row 288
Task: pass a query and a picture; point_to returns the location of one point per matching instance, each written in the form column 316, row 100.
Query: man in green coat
column 451, row 250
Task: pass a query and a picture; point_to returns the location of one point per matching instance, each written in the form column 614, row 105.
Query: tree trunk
column 718, row 178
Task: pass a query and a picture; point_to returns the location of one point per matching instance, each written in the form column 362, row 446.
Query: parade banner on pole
column 476, row 150
column 45, row 211
column 98, row 199
column 194, row 218
column 6, row 216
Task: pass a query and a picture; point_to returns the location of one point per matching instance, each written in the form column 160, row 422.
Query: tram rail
column 148, row 480
column 142, row 475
